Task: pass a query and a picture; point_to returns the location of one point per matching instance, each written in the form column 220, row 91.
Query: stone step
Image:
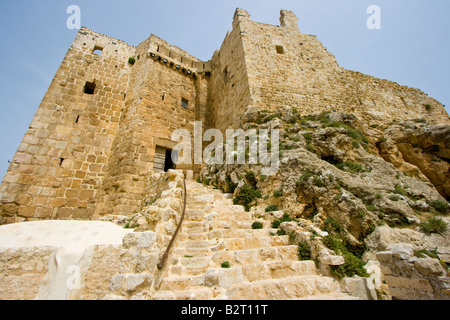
column 227, row 277
column 287, row 288
column 205, row 226
column 178, row 283
column 201, row 293
column 239, row 233
column 233, row 244
column 330, row 296
column 252, row 242
column 197, row 236
column 195, row 252
column 226, row 215
column 257, row 256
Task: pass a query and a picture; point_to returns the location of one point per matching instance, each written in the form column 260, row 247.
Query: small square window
column 97, row 50
column 89, row 87
column 280, row 49
column 184, row 103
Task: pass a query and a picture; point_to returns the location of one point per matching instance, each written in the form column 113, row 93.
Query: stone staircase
column 262, row 265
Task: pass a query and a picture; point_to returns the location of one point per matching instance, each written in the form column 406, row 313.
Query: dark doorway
column 168, row 163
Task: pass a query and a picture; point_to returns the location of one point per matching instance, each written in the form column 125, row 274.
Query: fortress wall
column 229, row 92
column 59, row 166
column 286, row 67
column 153, row 110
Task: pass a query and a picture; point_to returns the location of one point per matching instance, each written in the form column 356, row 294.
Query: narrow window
column 98, row 50
column 89, row 87
column 280, row 49
column 77, row 119
column 184, row 103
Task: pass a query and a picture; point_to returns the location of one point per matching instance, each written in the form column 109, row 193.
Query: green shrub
column 420, row 120
column 131, row 60
column 353, row 265
column 304, row 251
column 434, row 225
column 281, row 232
column 439, row 205
column 225, row 265
column 394, row 197
column 318, row 182
column 331, row 224
column 271, row 208
column 428, row 106
column 399, row 190
column 350, row 166
column 206, row 181
column 308, row 137
column 247, row 196
column 257, row 225
column 423, row 253
column 276, row 224
column 230, row 185
column 250, row 176
column 277, row 193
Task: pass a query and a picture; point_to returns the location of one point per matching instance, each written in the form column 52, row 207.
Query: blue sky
column 412, row 47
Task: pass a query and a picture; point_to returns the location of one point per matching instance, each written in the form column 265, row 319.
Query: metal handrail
column 163, row 259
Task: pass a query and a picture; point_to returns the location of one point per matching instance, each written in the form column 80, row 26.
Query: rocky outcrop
column 353, row 179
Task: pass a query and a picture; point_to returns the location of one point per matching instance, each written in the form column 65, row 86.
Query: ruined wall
column 286, row 67
column 58, row 168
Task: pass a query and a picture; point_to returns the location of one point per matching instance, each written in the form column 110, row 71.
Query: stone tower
column 106, row 120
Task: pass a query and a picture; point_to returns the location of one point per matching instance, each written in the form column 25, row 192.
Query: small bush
column 281, row 232
column 353, row 265
column 230, row 185
column 276, row 224
column 304, row 251
column 271, row 208
column 247, row 196
column 257, row 225
column 277, row 193
column 420, row 120
column 250, row 176
column 428, row 106
column 399, row 190
column 434, row 225
column 131, row 60
column 394, row 197
column 350, row 166
column 318, row 182
column 225, row 265
column 439, row 205
column 206, row 181
column 331, row 224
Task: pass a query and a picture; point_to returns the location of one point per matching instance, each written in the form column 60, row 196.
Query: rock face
column 370, row 186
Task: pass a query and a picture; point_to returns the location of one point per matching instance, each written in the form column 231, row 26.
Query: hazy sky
column 411, row 48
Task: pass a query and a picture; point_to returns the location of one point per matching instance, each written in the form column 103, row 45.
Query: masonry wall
column 59, row 166
column 162, row 76
column 304, row 75
column 229, row 92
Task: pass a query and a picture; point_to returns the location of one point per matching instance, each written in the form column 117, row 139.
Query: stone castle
column 106, row 120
